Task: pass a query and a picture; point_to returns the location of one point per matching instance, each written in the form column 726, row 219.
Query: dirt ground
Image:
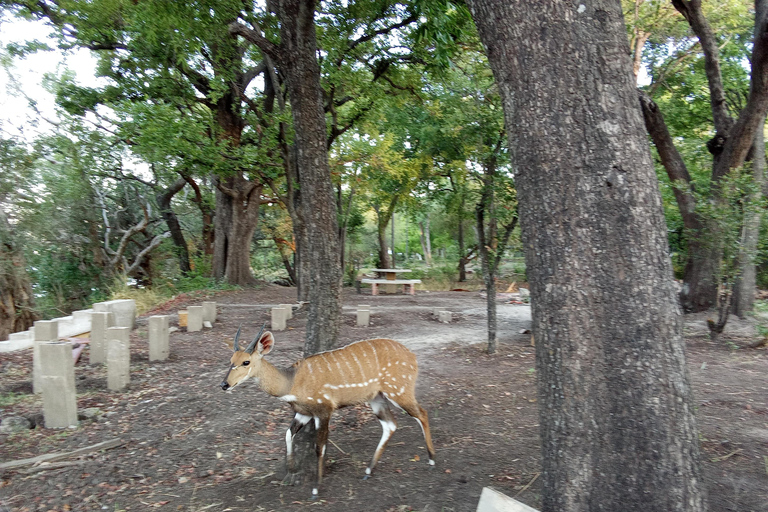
column 189, row 446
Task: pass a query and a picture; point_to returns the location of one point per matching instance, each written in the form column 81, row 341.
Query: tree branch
column 671, row 160
column 692, row 12
column 265, row 45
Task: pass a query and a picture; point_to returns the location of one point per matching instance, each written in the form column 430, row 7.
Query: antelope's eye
column 246, row 363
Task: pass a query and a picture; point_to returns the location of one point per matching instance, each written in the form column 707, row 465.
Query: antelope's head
column 246, row 363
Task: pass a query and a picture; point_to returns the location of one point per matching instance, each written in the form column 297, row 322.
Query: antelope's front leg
column 298, row 422
column 322, row 423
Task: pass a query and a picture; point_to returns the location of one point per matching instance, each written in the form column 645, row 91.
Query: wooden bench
column 409, row 285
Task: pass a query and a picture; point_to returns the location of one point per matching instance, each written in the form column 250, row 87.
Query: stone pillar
column 124, row 310
column 288, row 310
column 278, row 319
column 444, row 317
column 158, row 338
column 209, row 312
column 45, row 330
column 363, row 315
column 58, row 385
column 100, row 322
column 118, row 358
column 194, row 318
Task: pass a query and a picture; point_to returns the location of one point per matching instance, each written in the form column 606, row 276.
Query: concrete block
column 58, row 385
column 209, row 312
column 44, row 330
column 78, row 323
column 494, row 501
column 158, row 338
column 194, row 318
column 118, row 358
column 100, row 322
column 288, row 310
column 363, row 317
column 278, row 319
column 18, row 341
column 124, row 310
column 444, row 317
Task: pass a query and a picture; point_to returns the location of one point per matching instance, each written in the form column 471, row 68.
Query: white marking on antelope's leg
column 317, row 423
column 287, row 398
column 388, row 425
column 289, row 442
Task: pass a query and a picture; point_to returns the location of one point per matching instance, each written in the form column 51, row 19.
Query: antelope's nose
column 224, row 385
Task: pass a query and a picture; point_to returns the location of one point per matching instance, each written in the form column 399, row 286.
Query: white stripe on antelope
column 358, row 373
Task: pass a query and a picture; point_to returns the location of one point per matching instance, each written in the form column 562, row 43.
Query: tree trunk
column 163, row 199
column 426, row 243
column 746, row 281
column 489, row 276
column 17, row 304
column 392, row 238
column 317, row 205
column 381, row 231
column 237, row 215
column 616, row 408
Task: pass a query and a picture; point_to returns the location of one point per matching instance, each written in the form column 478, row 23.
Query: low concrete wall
column 77, row 323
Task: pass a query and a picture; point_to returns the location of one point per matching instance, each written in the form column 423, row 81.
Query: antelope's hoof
column 292, row 479
column 366, row 477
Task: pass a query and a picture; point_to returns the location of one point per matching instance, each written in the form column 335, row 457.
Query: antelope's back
column 357, row 372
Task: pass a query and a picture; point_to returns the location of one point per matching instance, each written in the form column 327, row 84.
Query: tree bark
column 317, row 205
column 17, row 303
column 426, row 242
column 616, row 408
column 382, row 221
column 163, row 199
column 699, row 292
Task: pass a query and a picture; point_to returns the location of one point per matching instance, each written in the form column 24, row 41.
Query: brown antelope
column 378, row 372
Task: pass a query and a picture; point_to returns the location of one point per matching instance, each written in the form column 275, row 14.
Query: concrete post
column 194, row 318
column 288, row 310
column 124, row 310
column 158, row 338
column 278, row 319
column 118, row 358
column 58, row 385
column 45, row 330
column 363, row 315
column 209, row 312
column 444, row 317
column 100, row 322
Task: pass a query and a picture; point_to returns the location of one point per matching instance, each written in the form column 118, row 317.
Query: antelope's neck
column 275, row 381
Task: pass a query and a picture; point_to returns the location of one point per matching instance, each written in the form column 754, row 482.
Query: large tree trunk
column 317, row 203
column 382, row 222
column 616, row 408
column 17, row 311
column 163, row 199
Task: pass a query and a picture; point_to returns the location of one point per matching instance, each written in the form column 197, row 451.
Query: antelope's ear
column 265, row 343
column 230, row 343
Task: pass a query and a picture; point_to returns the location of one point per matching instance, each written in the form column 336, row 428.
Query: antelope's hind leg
column 388, row 425
column 413, row 408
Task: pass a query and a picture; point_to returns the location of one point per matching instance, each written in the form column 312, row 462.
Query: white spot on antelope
column 287, row 398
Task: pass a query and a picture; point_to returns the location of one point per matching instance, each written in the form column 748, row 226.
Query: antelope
column 378, row 372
